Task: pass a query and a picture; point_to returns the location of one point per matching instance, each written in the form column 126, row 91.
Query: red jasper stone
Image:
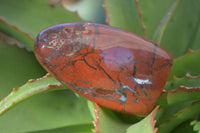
column 114, row 68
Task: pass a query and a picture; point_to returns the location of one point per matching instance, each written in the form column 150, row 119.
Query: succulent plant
column 41, row 104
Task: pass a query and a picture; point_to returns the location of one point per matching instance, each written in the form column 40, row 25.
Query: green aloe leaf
column 154, row 13
column 187, row 80
column 123, row 14
column 15, row 32
column 183, row 115
column 158, row 33
column 84, row 128
column 147, row 125
column 188, row 63
column 184, row 127
column 183, row 29
column 29, row 89
column 111, row 121
column 107, row 121
column 47, row 111
column 17, row 66
column 171, row 102
column 143, row 17
column 24, row 19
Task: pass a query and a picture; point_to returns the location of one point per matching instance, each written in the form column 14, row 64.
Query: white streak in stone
column 50, row 47
column 127, row 87
column 142, row 81
column 122, row 98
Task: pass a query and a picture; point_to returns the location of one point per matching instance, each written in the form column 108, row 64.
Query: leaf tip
column 190, row 51
column 15, row 89
column 187, row 75
column 47, row 75
column 153, row 121
column 31, row 80
column 174, row 77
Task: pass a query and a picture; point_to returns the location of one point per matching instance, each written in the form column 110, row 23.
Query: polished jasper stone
column 114, row 68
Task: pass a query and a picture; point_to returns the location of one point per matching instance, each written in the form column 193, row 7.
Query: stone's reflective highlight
column 114, row 68
column 142, row 81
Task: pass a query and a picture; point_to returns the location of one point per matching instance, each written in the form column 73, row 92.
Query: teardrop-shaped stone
column 114, row 68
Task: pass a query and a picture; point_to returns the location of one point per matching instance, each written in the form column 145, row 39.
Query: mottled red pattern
column 114, row 68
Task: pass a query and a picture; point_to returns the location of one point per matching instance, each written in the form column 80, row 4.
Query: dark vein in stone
column 134, row 70
column 89, row 64
column 107, row 74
